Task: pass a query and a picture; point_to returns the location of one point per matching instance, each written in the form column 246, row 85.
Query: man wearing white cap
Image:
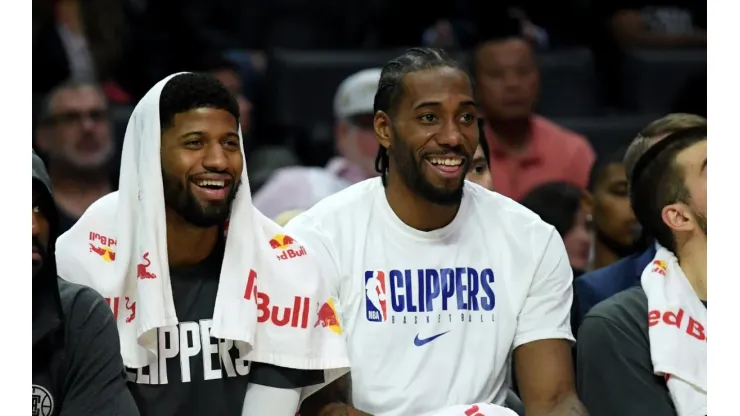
column 299, row 187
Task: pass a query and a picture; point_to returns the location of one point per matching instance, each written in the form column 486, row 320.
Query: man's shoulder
column 491, row 206
column 345, row 203
column 496, row 204
column 78, row 299
column 619, row 268
column 626, row 309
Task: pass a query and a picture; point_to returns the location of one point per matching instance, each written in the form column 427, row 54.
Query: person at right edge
column 628, row 359
column 439, row 281
column 595, row 286
column 77, row 366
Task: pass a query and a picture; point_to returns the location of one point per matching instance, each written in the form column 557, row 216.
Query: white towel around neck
column 677, row 345
column 105, row 250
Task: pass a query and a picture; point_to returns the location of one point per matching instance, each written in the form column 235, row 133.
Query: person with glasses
column 75, row 137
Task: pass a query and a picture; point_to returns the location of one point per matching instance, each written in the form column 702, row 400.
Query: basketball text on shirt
column 459, row 294
column 178, row 344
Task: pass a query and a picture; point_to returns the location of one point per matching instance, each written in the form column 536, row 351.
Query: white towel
column 477, row 409
column 119, row 247
column 678, row 329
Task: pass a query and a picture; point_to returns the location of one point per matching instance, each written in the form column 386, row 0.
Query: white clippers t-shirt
column 432, row 317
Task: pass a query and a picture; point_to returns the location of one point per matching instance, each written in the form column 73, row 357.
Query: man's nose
column 450, row 134
column 215, row 158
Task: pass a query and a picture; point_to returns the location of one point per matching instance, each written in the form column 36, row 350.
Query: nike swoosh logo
column 419, row 342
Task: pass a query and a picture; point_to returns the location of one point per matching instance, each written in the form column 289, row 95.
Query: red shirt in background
column 555, row 154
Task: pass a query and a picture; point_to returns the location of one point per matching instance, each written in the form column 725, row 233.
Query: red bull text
column 295, row 316
column 102, row 246
column 285, row 244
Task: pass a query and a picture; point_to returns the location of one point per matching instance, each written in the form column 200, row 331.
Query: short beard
column 180, row 199
column 410, row 171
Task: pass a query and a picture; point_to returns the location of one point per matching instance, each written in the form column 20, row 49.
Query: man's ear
column 678, row 217
column 382, row 127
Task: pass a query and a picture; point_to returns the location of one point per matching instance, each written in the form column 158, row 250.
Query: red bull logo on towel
column 287, row 247
column 659, row 267
column 102, row 246
column 327, row 317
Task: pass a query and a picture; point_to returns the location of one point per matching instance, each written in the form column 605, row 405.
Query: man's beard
column 410, row 171
column 180, row 198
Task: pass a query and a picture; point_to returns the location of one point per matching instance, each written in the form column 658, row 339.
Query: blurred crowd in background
column 563, row 87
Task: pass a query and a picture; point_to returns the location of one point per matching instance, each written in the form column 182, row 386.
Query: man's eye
column 427, row 117
column 467, row 118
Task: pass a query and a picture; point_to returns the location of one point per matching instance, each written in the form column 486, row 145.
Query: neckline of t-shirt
column 434, row 235
column 207, row 266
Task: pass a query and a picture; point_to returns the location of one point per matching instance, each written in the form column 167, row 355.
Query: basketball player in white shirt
column 438, row 280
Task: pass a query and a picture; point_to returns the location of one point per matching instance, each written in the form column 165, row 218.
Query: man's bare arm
column 544, row 371
column 332, row 400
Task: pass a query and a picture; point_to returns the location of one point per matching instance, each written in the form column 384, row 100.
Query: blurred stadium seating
column 653, row 79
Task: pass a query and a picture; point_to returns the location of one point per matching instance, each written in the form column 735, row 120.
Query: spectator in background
column 228, row 73
column 79, row 40
column 601, row 284
column 75, row 136
column 616, row 232
column 526, row 149
column 301, row 187
column 561, row 205
column 480, row 172
column 655, row 23
column 630, row 360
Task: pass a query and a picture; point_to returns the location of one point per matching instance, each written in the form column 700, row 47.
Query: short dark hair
column 602, row 163
column 659, row 181
column 669, row 124
column 556, row 203
column 390, row 86
column 190, row 91
column 45, row 110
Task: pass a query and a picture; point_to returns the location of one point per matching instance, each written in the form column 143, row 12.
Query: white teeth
column 446, row 161
column 220, row 184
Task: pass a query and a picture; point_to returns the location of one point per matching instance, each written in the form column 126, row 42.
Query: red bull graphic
column 141, row 269
column 327, row 317
column 659, row 267
column 115, row 303
column 285, row 244
column 131, row 307
column 101, row 245
column 473, row 410
column 295, row 316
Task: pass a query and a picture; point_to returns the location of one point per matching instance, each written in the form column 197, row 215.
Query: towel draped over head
column 269, row 295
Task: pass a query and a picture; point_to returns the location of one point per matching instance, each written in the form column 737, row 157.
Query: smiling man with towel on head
column 203, row 319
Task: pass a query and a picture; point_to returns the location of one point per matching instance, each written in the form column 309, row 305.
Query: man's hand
column 544, row 371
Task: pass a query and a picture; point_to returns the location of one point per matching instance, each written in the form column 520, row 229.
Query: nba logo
column 375, row 296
